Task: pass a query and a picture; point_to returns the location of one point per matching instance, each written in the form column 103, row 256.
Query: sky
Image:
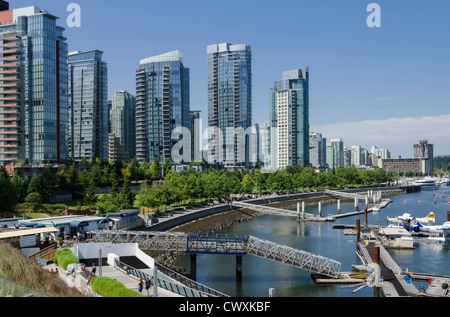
column 386, row 86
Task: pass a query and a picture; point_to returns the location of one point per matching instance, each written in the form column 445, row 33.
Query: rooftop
column 174, row 56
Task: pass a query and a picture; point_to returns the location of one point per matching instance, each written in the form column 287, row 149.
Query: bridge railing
column 298, row 258
column 190, row 289
column 188, row 282
column 216, row 243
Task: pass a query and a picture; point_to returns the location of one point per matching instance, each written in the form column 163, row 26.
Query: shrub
column 64, row 257
column 107, row 287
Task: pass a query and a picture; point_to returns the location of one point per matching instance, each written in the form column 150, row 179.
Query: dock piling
column 358, row 230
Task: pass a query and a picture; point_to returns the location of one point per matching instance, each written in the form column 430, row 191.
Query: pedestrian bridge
column 271, row 210
column 238, row 245
column 344, row 194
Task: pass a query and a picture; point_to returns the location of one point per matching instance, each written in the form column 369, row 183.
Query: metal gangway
column 344, row 194
column 294, row 257
column 239, row 245
column 272, row 210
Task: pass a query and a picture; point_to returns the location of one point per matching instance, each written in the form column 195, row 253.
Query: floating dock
column 393, row 281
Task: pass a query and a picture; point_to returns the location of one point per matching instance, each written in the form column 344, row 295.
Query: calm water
column 259, row 275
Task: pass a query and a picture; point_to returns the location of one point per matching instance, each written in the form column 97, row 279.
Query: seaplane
column 442, row 231
column 405, row 219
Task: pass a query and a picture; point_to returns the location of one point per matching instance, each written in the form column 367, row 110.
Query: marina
column 330, row 240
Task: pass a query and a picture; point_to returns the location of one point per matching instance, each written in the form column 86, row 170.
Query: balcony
column 9, row 126
column 10, row 112
column 10, row 38
column 12, row 159
column 9, row 153
column 10, row 65
column 10, row 51
column 8, row 85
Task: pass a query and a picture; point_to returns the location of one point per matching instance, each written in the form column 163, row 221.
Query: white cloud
column 396, row 134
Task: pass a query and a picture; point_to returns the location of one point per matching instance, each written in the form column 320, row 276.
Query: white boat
column 445, row 181
column 426, row 183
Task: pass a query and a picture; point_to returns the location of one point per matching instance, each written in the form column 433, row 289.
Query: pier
column 382, row 272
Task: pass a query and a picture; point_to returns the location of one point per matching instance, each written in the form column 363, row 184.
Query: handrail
column 12, row 287
column 176, row 288
column 188, row 282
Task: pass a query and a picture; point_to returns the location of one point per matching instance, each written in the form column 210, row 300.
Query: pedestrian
column 148, row 283
column 94, row 269
column 140, row 285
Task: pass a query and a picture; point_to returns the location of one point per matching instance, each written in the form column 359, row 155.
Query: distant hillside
column 442, row 163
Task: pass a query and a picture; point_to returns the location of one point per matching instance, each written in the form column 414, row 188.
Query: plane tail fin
column 415, row 225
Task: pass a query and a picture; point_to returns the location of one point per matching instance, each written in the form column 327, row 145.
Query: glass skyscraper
column 123, row 116
column 33, row 87
column 317, row 152
column 229, row 103
column 335, row 154
column 162, row 104
column 88, row 110
column 289, row 119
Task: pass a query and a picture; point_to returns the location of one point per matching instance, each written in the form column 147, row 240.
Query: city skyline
column 359, row 75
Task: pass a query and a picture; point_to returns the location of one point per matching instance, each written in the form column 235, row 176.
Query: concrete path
column 127, row 280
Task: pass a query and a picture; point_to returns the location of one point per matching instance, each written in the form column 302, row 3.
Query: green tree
column 155, row 173
column 44, row 184
column 167, row 167
column 74, row 183
column 247, row 184
column 133, row 167
column 114, row 183
column 144, row 170
column 8, row 197
column 127, row 194
column 260, row 180
column 21, row 187
column 33, row 198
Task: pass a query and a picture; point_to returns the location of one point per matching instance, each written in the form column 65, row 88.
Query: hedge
column 64, row 257
column 108, row 287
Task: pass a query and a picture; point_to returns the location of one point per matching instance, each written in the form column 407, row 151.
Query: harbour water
column 260, row 275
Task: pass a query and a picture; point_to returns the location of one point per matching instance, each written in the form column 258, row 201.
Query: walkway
column 129, row 281
column 393, row 284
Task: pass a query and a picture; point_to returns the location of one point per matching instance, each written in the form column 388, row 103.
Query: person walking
column 148, row 283
column 140, row 285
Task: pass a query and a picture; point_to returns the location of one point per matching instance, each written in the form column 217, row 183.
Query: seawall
column 183, row 217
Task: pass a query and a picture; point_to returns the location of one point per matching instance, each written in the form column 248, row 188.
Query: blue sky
column 359, row 75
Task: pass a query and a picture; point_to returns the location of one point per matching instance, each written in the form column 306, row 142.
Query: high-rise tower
column 33, row 87
column 229, row 103
column 88, row 106
column 123, row 117
column 162, row 104
column 289, row 119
